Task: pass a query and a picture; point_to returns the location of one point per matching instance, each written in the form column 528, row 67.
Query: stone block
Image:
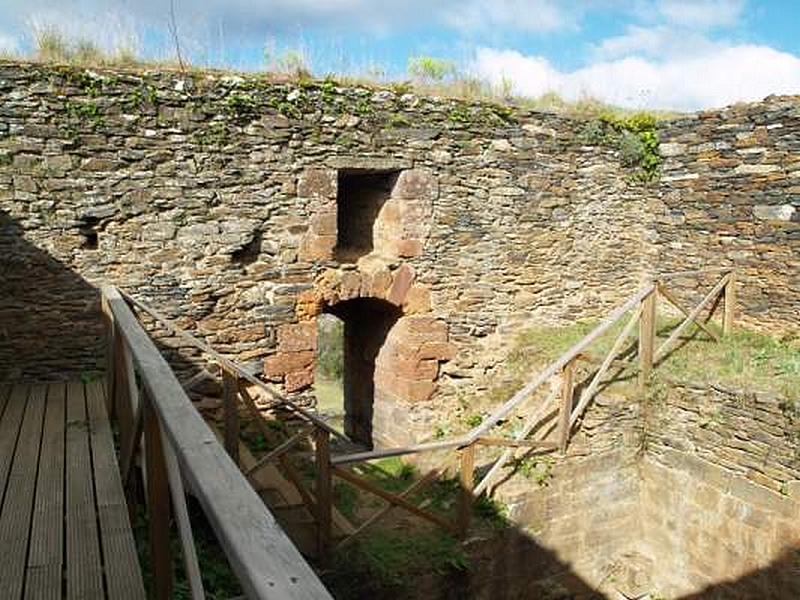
column 298, row 380
column 297, row 337
column 408, row 248
column 407, row 390
column 416, row 184
column 381, row 282
column 278, row 365
column 778, row 212
column 437, row 350
column 318, row 184
column 350, row 285
column 417, row 300
column 401, row 284
column 317, row 247
column 324, row 223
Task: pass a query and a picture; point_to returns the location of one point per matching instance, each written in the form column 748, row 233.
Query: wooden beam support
column 662, row 351
column 565, row 410
column 158, row 505
column 395, row 499
column 280, row 450
column 677, row 304
column 230, row 404
column 512, row 443
column 414, row 487
column 589, row 392
column 324, row 493
column 465, row 498
column 538, row 417
column 647, row 337
column 730, row 305
column 190, row 563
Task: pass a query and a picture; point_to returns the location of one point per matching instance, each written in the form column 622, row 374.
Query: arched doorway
column 367, row 322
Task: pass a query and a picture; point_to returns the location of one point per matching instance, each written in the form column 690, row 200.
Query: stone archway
column 388, row 322
column 367, row 323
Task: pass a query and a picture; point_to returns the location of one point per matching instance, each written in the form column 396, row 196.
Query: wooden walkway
column 64, row 528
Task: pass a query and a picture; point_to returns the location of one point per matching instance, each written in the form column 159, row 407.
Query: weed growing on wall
column 635, row 138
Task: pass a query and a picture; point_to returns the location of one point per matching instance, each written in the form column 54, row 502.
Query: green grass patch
column 744, row 359
column 219, row 581
column 388, row 559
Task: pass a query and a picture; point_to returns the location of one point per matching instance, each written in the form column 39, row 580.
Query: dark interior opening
column 88, row 229
column 367, row 322
column 361, row 196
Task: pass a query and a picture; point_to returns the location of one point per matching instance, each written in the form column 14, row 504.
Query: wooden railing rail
column 558, row 414
column 179, row 446
column 230, row 367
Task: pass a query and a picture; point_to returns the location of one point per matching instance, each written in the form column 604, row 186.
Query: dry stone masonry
column 243, row 208
column 436, row 229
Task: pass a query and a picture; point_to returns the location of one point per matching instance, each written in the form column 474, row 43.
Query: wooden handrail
column 230, row 366
column 559, row 363
column 265, row 561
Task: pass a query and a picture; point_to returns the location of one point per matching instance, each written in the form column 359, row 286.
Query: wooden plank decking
column 64, row 529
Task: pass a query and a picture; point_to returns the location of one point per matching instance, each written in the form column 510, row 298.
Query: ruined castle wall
column 695, row 491
column 729, row 195
column 209, row 196
column 720, row 493
column 205, row 196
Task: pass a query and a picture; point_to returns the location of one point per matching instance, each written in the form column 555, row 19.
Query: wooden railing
column 558, row 414
column 148, row 402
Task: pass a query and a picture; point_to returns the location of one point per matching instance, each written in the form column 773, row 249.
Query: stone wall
column 729, row 195
column 720, row 498
column 214, row 198
column 693, row 493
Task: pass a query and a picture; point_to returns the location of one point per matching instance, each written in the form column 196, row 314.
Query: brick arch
column 406, row 363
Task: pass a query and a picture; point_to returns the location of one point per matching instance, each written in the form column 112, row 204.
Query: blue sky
column 680, row 54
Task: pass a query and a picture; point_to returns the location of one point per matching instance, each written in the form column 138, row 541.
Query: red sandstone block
column 298, row 380
column 381, row 280
column 418, row 300
column 437, row 350
column 297, row 337
column 421, row 370
column 418, row 329
column 350, row 286
column 280, row 364
column 408, row 248
column 317, row 247
column 416, row 184
column 412, row 391
column 403, row 278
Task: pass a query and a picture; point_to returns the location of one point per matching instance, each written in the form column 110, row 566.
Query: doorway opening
column 360, row 197
column 365, row 324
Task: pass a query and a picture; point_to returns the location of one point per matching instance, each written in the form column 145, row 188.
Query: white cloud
column 725, row 76
column 658, row 42
column 9, row 44
column 701, row 13
column 524, row 15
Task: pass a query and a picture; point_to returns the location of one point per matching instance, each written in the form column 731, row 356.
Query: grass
column 388, row 559
column 427, row 75
column 745, row 359
column 219, row 581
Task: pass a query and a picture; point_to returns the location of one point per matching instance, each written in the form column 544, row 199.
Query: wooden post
column 158, row 503
column 647, row 337
column 730, row 304
column 324, row 493
column 467, row 485
column 565, row 412
column 231, row 407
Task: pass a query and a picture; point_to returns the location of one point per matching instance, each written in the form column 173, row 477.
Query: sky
column 641, row 54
